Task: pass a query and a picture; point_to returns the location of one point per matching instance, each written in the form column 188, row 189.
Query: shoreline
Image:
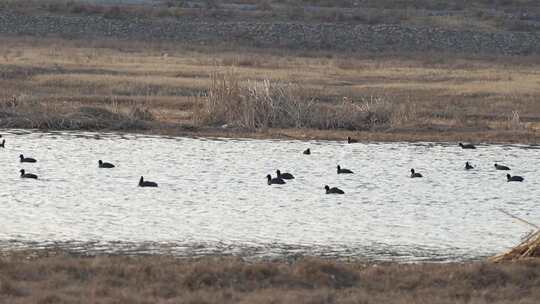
column 481, row 137
column 410, row 136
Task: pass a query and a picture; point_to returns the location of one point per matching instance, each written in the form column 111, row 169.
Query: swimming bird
column 515, row 178
column 143, row 183
column 307, row 152
column 467, row 146
column 101, row 164
column 3, row 144
column 351, row 141
column 275, row 180
column 27, row 159
column 343, row 171
column 415, row 174
column 501, row 167
column 284, row 175
column 468, row 166
column 27, row 175
column 333, row 190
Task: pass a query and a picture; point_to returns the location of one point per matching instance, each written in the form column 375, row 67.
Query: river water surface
column 213, row 197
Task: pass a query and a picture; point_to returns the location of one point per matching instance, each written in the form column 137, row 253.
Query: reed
column 514, row 122
column 266, row 104
column 254, row 104
column 528, row 248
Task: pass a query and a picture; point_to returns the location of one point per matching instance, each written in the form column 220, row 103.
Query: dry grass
column 189, row 86
column 38, row 277
column 19, row 112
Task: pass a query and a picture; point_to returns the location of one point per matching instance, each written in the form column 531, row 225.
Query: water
column 213, row 197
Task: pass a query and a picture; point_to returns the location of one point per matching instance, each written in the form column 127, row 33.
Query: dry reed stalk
column 514, row 121
column 265, row 104
column 254, row 104
column 528, row 248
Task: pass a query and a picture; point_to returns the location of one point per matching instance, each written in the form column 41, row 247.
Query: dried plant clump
column 528, row 248
column 265, row 104
column 514, row 122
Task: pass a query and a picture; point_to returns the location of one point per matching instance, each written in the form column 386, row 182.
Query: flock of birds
column 101, row 164
column 281, row 177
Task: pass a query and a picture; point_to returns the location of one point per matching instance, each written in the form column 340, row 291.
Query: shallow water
column 213, row 197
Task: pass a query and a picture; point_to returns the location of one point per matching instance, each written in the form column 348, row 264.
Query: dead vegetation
column 528, row 248
column 266, row 104
column 17, row 112
column 44, row 277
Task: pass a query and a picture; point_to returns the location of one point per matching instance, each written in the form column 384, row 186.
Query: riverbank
column 56, row 277
column 83, row 122
column 173, row 89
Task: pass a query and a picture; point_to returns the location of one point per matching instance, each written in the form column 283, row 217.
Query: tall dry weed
column 270, row 104
column 514, row 122
column 254, row 104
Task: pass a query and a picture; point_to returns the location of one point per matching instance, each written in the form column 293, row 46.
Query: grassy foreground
column 58, row 278
column 50, row 83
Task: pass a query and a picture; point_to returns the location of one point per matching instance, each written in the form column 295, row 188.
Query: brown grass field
column 166, row 88
column 38, row 277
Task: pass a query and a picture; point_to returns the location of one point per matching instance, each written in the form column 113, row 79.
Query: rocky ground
column 291, row 35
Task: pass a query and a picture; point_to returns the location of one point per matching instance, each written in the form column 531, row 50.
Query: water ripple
column 213, row 197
